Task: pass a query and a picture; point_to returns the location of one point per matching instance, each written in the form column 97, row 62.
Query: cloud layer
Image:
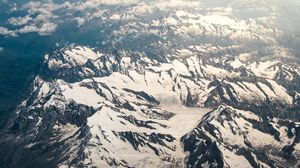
column 44, row 17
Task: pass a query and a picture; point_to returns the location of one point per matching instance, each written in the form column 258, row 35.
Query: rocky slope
column 90, row 107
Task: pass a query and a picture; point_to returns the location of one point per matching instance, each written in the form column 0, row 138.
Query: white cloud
column 6, row 32
column 41, row 17
column 47, row 28
column 13, row 7
column 44, row 29
column 142, row 9
column 97, row 3
column 28, row 29
column 80, row 21
column 118, row 2
column 1, row 49
column 19, row 21
column 166, row 4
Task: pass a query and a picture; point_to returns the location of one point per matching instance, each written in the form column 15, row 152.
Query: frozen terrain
column 163, row 85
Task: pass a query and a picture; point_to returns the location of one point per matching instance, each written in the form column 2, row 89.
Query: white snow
column 166, row 82
column 171, row 21
column 106, row 120
column 80, row 54
column 281, row 92
column 44, row 89
column 236, row 63
column 264, row 69
column 81, row 95
column 234, row 160
column 180, row 67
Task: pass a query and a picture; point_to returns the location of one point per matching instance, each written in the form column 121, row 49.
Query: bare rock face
column 241, row 135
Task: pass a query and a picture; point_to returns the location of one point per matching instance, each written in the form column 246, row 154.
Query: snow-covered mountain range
column 100, row 108
column 175, row 89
